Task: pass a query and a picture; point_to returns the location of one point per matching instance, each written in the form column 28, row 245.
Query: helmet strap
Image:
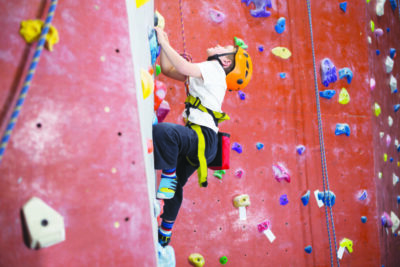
column 216, row 57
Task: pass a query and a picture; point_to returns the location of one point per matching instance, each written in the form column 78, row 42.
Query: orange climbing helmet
column 241, row 74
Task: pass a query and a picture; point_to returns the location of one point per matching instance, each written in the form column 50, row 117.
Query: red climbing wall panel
column 281, row 114
column 76, row 144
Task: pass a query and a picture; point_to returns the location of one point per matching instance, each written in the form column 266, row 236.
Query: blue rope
column 325, row 180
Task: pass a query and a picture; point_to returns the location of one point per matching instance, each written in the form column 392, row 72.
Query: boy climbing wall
column 181, row 150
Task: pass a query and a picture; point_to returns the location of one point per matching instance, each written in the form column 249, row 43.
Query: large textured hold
column 260, row 10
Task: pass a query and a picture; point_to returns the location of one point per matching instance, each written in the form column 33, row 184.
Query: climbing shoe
column 167, row 188
column 163, row 238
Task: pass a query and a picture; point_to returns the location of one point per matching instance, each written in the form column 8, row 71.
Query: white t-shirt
column 210, row 90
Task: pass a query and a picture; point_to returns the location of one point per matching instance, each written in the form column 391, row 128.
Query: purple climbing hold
column 237, row 147
column 300, row 149
column 260, row 48
column 283, row 200
column 260, row 10
column 242, row 95
column 216, row 16
column 280, row 173
column 328, row 72
column 363, row 195
column 386, row 220
column 306, row 198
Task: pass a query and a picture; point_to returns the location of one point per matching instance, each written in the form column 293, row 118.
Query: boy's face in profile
column 220, row 50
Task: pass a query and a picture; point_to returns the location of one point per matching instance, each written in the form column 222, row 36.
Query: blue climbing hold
column 398, row 199
column 300, row 149
column 388, row 29
column 363, row 219
column 283, row 200
column 306, row 198
column 260, row 48
column 342, row 128
column 242, row 95
column 308, row 249
column 391, row 159
column 346, row 72
column 328, row 198
column 343, row 6
column 328, row 72
column 154, row 47
column 260, row 10
column 166, row 256
column 392, row 53
column 280, row 25
column 328, row 94
column 393, row 4
column 363, row 195
column 237, row 147
column 396, row 107
column 282, row 75
column 259, row 146
column 398, row 148
column 378, row 52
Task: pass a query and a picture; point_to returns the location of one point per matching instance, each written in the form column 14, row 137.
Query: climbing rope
column 28, row 79
column 325, row 180
column 184, row 54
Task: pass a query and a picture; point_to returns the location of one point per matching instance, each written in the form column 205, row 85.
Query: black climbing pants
column 172, row 144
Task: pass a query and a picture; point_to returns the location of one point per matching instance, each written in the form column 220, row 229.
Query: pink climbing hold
column 160, row 91
column 239, row 173
column 378, row 32
column 388, row 140
column 263, row 226
column 163, row 111
column 216, row 16
column 281, row 173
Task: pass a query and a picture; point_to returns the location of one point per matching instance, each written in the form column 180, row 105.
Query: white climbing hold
column 395, row 179
column 395, row 221
column 390, row 121
column 372, row 83
column 381, row 134
column 396, row 142
column 369, row 39
column 389, row 64
column 393, row 84
column 380, row 7
column 380, row 175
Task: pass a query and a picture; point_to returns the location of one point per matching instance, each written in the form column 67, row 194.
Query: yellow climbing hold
column 31, row 30
column 140, row 3
column 377, row 109
column 147, row 83
column 385, row 157
column 347, row 243
column 197, row 260
column 281, row 52
column 372, row 26
column 368, row 1
column 344, row 97
column 116, row 225
column 160, row 19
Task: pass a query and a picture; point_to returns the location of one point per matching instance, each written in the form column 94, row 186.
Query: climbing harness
column 325, row 180
column 28, row 79
column 222, row 158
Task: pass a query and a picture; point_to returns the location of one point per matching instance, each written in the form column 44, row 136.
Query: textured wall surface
column 77, row 143
column 281, row 114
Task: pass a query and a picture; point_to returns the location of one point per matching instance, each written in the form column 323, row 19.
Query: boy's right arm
column 168, row 69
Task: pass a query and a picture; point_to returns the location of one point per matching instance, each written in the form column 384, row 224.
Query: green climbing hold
column 372, row 26
column 223, row 260
column 158, row 70
column 377, row 109
column 240, row 42
column 219, row 173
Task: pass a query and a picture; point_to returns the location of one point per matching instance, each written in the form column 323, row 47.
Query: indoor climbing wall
column 276, row 156
column 78, row 142
column 383, row 27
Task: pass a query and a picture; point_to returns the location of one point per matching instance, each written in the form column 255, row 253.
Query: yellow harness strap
column 195, row 103
column 202, row 170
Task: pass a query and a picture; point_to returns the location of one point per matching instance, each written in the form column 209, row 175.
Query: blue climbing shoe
column 167, row 188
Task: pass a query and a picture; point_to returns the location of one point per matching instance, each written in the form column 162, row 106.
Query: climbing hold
column 216, row 16
column 385, row 156
column 154, row 47
column 392, row 53
column 395, row 221
column 389, row 64
column 380, row 175
column 378, row 52
column 398, row 199
column 328, row 94
column 380, row 7
column 363, row 195
column 239, row 173
column 280, row 25
column 395, row 179
column 347, row 243
column 344, row 97
column 260, row 48
column 197, row 260
column 327, row 197
column 328, row 72
column 31, row 30
column 150, row 147
column 219, row 173
column 160, row 91
column 240, row 42
column 396, row 107
column 260, row 10
column 377, row 109
column 393, row 84
column 282, row 75
column 241, row 202
column 155, row 119
column 363, row 219
column 259, row 145
column 158, row 70
column 281, row 52
column 343, row 6
column 147, row 83
column 388, row 140
column 237, row 147
column 223, row 260
column 388, row 29
column 301, row 149
column 283, row 200
column 242, row 95
column 372, row 24
column 342, row 128
column 346, row 72
column 381, row 134
column 264, row 228
column 306, row 198
column 393, row 3
column 378, row 32
column 369, row 39
column 159, row 20
column 386, row 220
column 280, row 172
column 166, row 256
column 390, row 121
column 372, row 83
column 391, row 159
column 163, row 111
column 140, row 3
column 308, row 249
